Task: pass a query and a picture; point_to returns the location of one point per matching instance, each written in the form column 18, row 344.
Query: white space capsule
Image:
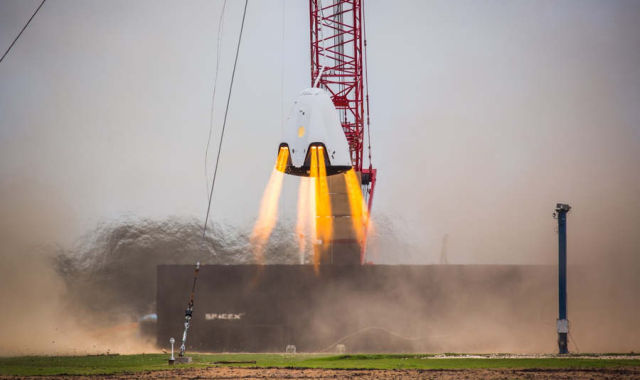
column 314, row 121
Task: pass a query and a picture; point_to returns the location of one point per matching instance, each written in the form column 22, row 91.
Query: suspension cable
column 224, row 122
column 213, row 97
column 188, row 314
column 23, row 28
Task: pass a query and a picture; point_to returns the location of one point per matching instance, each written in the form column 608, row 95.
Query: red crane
column 337, row 39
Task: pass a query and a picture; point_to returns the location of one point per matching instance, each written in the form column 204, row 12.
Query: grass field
column 113, row 364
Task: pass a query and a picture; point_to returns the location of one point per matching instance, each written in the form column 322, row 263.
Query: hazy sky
column 484, row 115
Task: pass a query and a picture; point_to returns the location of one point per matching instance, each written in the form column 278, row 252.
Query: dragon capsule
column 313, row 122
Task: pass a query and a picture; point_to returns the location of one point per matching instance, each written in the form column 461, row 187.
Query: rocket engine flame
column 359, row 213
column 283, row 157
column 323, row 214
column 269, row 207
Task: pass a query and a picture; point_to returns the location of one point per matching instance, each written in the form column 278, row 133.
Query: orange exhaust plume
column 370, row 230
column 283, row 157
column 323, row 215
column 269, row 207
column 359, row 214
column 313, row 232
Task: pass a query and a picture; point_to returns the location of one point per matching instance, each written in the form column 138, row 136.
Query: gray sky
column 484, row 115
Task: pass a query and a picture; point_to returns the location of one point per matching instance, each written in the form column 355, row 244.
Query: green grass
column 97, row 365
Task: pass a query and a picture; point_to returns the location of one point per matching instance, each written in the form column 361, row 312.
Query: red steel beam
column 336, row 44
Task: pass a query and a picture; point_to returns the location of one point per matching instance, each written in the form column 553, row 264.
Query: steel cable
column 23, row 29
column 224, row 122
column 213, row 97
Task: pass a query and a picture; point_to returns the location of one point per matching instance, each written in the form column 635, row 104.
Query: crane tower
column 338, row 58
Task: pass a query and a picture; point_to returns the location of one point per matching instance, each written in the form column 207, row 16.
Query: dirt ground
column 280, row 373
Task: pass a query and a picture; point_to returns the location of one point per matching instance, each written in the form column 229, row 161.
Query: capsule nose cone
column 314, row 120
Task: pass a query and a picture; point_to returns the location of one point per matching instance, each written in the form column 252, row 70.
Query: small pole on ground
column 172, row 359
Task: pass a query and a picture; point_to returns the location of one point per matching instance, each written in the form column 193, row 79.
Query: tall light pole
column 562, row 322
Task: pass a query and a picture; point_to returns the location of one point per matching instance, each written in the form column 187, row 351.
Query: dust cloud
column 477, row 309
column 517, row 312
column 38, row 317
column 90, row 297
